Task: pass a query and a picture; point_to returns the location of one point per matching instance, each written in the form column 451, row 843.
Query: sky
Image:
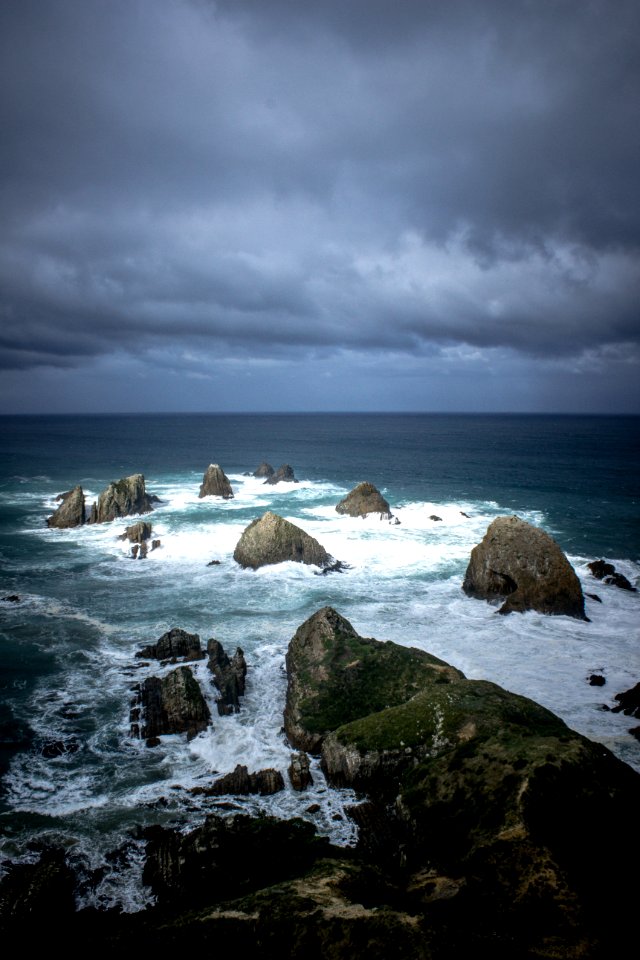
column 272, row 205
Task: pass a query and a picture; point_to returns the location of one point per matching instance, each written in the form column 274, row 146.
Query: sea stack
column 122, row 498
column 70, row 513
column 272, row 539
column 362, row 500
column 215, row 483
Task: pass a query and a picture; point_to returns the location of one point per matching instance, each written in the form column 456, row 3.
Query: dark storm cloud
column 265, row 178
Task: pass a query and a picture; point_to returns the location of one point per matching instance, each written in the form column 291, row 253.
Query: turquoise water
column 68, row 645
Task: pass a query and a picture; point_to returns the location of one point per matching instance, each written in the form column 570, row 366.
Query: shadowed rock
column 171, row 704
column 122, row 498
column 264, row 470
column 299, row 771
column 272, row 539
column 70, row 513
column 215, row 483
column 175, row 644
column 241, row 783
column 606, row 572
column 364, row 499
column 525, row 567
column 282, row 474
column 228, row 675
column 137, row 532
column 629, row 702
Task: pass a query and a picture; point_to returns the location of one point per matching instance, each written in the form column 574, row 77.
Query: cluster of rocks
column 284, row 473
column 139, row 535
column 602, row 570
column 122, row 498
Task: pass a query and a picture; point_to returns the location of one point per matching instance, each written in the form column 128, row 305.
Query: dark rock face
column 364, row 499
column 629, row 702
column 215, row 483
column 70, row 513
column 241, row 783
column 524, row 566
column 264, row 470
column 122, row 498
column 272, row 539
column 606, row 572
column 335, row 676
column 597, row 680
column 299, row 772
column 228, row 675
column 283, row 473
column 137, row 532
column 173, row 704
column 173, row 645
column 37, row 892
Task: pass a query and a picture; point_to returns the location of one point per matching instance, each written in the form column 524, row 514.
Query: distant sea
column 73, row 776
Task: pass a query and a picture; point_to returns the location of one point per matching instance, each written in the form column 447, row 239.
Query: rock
column 596, row 680
column 272, row 539
column 215, row 483
column 526, row 566
column 434, row 517
column 50, row 749
column 137, row 532
column 463, row 514
column 122, row 498
column 70, row 513
column 299, row 772
column 175, row 644
column 241, row 783
column 228, row 676
column 155, row 544
column 213, row 563
column 362, row 500
column 173, row 704
column 606, row 572
column 36, row 893
column 11, row 598
column 264, row 470
column 594, row 596
column 335, row 676
column 628, row 702
column 282, row 474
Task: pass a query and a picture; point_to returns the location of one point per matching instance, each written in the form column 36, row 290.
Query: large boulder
column 364, row 499
column 522, row 565
column 335, row 676
column 272, row 539
column 215, row 483
column 283, row 474
column 172, row 645
column 122, row 498
column 70, row 513
column 171, row 704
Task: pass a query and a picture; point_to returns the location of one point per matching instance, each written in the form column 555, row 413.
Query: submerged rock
column 282, row 474
column 215, row 483
column 228, row 675
column 272, row 539
column 70, row 513
column 172, row 645
column 122, row 498
column 171, row 704
column 602, row 570
column 525, row 567
column 264, row 470
column 362, row 500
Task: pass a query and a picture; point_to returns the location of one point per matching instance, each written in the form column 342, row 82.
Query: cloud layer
column 262, row 190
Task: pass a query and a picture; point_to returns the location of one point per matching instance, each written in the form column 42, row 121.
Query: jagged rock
column 264, row 470
column 628, row 702
column 299, row 771
column 228, row 675
column 272, row 539
column 525, row 567
column 213, row 563
column 122, row 498
column 175, row 644
column 606, row 572
column 70, row 513
column 282, row 474
column 155, row 544
column 137, row 532
column 172, row 704
column 215, row 483
column 335, row 676
column 364, row 499
column 240, row 782
column 597, row 680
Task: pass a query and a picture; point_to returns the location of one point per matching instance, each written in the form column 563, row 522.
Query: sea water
column 73, row 775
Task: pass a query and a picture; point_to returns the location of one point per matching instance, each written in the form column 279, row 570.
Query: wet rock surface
column 300, row 772
column 229, row 676
column 362, row 500
column 240, row 782
column 175, row 644
column 122, row 498
column 71, row 512
column 272, row 539
column 171, row 704
column 602, row 570
column 137, row 532
column 522, row 565
column 215, row 483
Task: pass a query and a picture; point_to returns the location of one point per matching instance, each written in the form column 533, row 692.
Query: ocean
column 71, row 773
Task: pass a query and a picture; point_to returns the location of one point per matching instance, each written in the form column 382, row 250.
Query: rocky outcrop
column 300, row 772
column 137, row 532
column 283, row 474
column 264, row 470
column 602, row 570
column 272, row 539
column 335, row 676
column 122, row 498
column 70, row 513
column 215, row 483
column 525, row 567
column 228, row 676
column 171, row 704
column 629, row 702
column 362, row 500
column 175, row 644
column 242, row 783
